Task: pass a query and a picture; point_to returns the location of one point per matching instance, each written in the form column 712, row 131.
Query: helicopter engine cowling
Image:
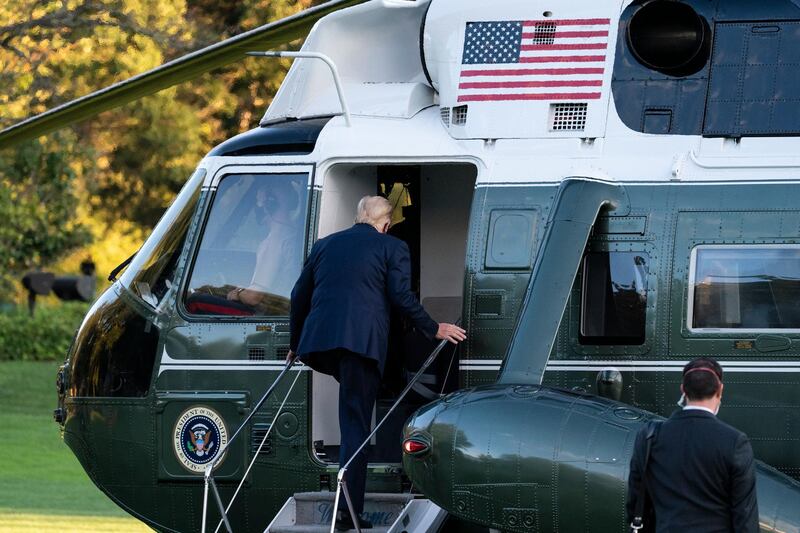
column 533, row 458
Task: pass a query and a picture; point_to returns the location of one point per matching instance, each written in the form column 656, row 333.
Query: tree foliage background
column 97, row 188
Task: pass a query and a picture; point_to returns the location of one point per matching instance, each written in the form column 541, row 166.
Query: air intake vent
column 281, row 352
column 460, row 115
column 544, row 33
column 256, row 353
column 445, row 113
column 568, row 117
column 256, row 436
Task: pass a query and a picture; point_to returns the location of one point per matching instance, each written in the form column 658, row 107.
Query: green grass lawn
column 42, row 485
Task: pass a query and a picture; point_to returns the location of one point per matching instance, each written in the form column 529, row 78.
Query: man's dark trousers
column 359, row 381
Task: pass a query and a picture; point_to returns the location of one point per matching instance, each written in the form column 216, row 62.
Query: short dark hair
column 702, row 378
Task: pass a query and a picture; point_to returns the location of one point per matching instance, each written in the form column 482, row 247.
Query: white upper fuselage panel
column 514, row 64
column 634, row 157
column 397, row 117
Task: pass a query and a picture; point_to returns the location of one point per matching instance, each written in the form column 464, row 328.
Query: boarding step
column 311, row 512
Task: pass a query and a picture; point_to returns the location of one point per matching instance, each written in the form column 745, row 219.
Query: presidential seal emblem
column 199, row 435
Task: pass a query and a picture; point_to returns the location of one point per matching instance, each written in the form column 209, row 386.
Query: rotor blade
column 172, row 73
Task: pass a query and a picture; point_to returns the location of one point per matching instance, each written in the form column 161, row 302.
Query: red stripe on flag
column 533, row 72
column 562, row 59
column 523, row 84
column 513, row 97
column 569, row 22
column 581, row 46
column 565, row 34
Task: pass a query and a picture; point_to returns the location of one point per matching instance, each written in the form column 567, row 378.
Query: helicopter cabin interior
column 431, row 214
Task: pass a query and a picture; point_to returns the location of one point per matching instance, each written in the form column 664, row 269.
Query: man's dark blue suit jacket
column 700, row 477
column 342, row 299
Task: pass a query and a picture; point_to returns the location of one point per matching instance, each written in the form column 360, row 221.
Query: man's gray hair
column 373, row 209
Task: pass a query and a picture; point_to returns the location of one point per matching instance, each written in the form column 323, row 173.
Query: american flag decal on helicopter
column 534, row 60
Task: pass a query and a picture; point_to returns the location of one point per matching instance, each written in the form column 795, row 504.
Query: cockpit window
column 252, row 248
column 151, row 271
column 614, row 298
column 746, row 287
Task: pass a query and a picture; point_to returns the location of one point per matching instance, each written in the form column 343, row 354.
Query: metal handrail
column 208, row 476
column 337, row 81
column 341, row 486
column 258, row 451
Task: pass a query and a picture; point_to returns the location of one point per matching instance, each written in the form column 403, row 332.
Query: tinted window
column 251, row 252
column 614, row 298
column 746, row 288
column 510, row 239
column 150, row 273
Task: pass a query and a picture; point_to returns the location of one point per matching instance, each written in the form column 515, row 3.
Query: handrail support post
column 208, row 474
column 220, row 505
column 341, row 488
column 206, row 479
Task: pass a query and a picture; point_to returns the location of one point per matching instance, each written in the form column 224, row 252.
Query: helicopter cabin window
column 614, row 298
column 745, row 288
column 251, row 251
column 150, row 273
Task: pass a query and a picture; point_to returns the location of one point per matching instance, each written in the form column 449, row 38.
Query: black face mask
column 261, row 214
column 271, row 204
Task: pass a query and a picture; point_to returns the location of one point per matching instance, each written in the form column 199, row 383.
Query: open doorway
column 432, row 205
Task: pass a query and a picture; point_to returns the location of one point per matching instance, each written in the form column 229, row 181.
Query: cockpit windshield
column 151, row 271
column 252, row 247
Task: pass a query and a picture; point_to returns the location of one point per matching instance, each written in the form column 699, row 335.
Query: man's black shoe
column 345, row 523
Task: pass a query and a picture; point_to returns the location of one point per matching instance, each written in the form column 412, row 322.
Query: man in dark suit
column 700, row 476
column 339, row 323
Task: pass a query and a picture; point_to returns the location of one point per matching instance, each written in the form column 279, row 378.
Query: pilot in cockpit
column 273, row 274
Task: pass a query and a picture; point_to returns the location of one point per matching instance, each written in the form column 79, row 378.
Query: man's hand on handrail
column 451, row 332
column 290, row 357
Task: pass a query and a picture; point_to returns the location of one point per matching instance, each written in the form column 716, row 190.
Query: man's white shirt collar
column 698, row 408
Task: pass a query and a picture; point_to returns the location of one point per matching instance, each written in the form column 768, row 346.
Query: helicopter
column 602, row 191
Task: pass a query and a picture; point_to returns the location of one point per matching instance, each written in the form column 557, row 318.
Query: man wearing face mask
column 699, row 474
column 273, row 274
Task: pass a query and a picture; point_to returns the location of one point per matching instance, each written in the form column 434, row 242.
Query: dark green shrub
column 44, row 337
column 38, row 209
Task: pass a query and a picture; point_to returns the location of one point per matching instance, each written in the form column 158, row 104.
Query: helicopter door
column 432, row 207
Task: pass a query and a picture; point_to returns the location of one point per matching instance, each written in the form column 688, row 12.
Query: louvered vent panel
column 460, row 115
column 544, row 33
column 256, row 436
column 568, row 117
column 445, row 113
column 281, row 352
column 256, row 353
